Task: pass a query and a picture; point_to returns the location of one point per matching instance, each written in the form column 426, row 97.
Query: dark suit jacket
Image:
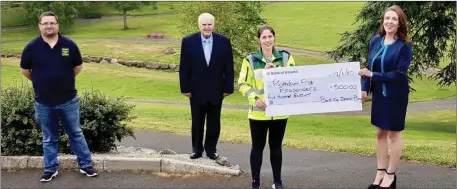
column 206, row 83
column 389, row 75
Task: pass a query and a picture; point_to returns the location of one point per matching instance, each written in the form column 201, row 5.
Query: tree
column 126, row 6
column 9, row 6
column 91, row 10
column 237, row 20
column 6, row 6
column 154, row 5
column 67, row 11
column 431, row 29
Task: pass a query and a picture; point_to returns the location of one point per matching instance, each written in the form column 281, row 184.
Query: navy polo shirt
column 53, row 76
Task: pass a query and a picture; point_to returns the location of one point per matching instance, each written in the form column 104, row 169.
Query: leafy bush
column 102, row 120
column 20, row 134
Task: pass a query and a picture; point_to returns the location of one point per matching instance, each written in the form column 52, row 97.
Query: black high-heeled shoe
column 374, row 186
column 393, row 184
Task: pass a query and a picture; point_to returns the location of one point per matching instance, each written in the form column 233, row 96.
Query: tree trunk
column 125, row 20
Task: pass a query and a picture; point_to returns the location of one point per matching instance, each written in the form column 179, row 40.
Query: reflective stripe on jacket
column 250, row 81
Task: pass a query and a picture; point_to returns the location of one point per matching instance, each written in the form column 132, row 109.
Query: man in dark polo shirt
column 52, row 62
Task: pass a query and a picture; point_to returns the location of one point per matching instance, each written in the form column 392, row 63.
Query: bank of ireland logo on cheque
column 65, row 52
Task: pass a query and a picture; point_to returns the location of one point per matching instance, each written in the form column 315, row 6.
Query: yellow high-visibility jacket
column 250, row 82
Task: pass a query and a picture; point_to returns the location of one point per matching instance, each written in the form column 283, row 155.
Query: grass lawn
column 116, row 80
column 144, row 51
column 124, row 50
column 444, row 62
column 139, row 27
column 16, row 16
column 429, row 137
column 426, row 133
column 311, row 25
column 307, row 60
column 312, row 29
column 427, row 89
column 162, row 7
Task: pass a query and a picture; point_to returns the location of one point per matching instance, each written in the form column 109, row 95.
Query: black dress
column 387, row 112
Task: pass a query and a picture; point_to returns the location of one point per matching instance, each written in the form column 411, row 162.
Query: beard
column 47, row 33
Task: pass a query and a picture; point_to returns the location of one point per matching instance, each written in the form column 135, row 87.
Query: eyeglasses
column 48, row 23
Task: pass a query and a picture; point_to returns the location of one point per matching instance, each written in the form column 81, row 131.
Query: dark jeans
column 47, row 118
column 276, row 130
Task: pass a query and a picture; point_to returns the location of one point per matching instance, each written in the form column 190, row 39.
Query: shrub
column 102, row 121
column 20, row 134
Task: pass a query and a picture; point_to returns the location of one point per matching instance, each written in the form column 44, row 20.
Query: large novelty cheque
column 312, row 89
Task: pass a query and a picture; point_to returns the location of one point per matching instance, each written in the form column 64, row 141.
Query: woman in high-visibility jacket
column 250, row 84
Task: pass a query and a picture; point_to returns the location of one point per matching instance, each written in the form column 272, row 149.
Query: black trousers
column 212, row 113
column 259, row 130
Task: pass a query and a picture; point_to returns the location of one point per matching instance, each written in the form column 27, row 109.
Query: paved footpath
column 301, row 169
column 309, row 168
column 414, row 107
column 73, row 179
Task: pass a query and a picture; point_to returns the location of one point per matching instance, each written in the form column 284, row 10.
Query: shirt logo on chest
column 65, row 52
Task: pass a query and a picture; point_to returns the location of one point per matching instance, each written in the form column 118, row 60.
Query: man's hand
column 364, row 96
column 365, row 72
column 226, row 94
column 187, row 94
column 259, row 103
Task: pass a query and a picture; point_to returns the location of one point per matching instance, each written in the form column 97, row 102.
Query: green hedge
column 102, row 120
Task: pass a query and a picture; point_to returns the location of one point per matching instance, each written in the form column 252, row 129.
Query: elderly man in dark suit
column 206, row 78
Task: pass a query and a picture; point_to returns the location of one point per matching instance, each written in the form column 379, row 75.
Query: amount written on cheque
column 312, row 89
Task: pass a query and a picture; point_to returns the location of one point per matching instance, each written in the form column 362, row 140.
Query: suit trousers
column 212, row 113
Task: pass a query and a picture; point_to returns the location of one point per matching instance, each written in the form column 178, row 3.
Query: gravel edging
column 134, row 159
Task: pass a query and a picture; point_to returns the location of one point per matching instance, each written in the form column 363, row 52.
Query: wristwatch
column 256, row 98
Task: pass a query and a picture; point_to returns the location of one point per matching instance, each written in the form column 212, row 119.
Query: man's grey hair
column 205, row 16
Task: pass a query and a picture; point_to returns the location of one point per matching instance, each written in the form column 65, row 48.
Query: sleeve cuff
column 251, row 99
